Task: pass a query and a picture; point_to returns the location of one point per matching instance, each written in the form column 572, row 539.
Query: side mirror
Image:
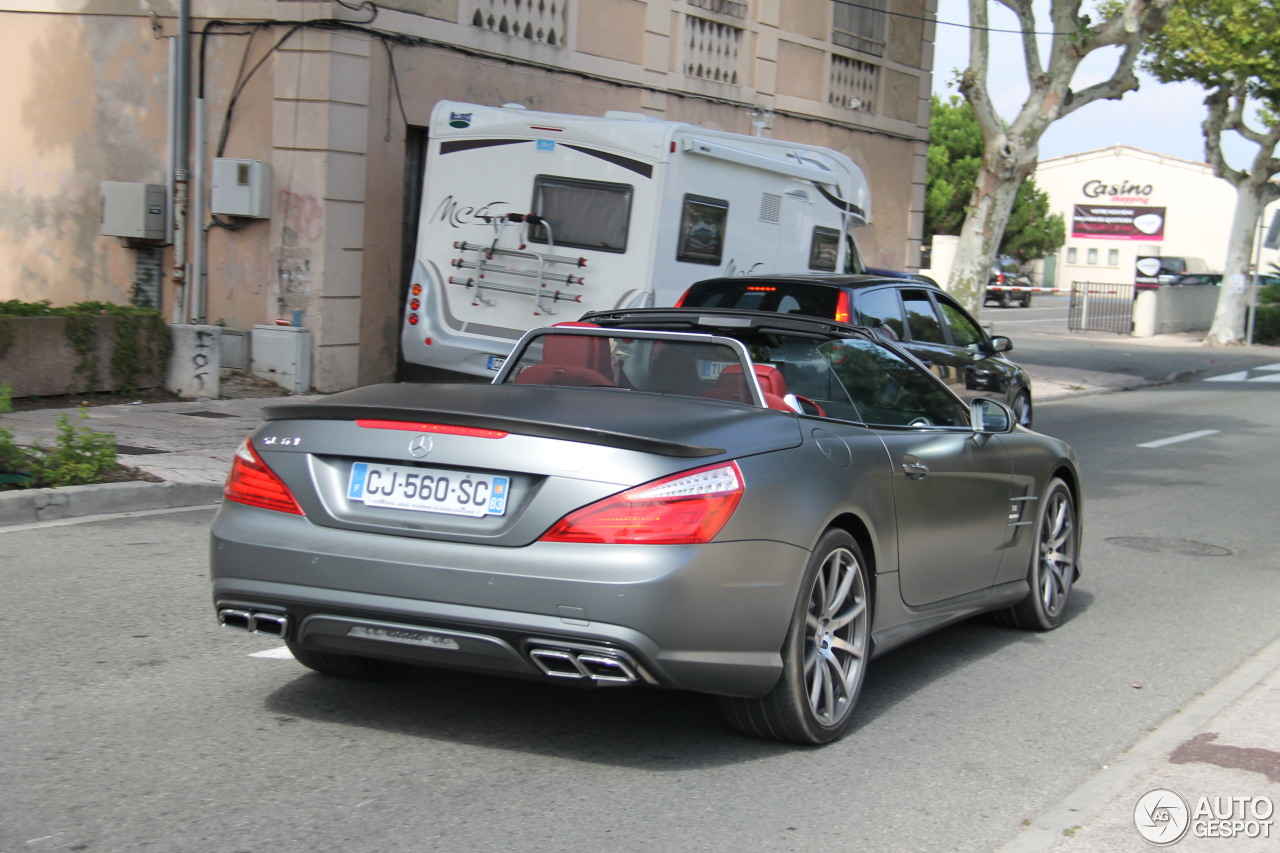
column 990, row 417
column 999, row 343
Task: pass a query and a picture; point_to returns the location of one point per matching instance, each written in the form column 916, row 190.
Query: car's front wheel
column 1053, row 568
column 824, row 656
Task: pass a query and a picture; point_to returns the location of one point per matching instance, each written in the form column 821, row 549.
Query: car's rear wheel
column 346, row 666
column 824, row 656
column 1053, row 569
column 1026, row 300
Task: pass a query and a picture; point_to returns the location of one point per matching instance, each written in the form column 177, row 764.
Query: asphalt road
column 129, row 721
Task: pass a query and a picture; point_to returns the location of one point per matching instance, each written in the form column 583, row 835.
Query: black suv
column 916, row 314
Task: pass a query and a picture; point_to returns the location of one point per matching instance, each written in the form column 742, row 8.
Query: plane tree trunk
column 1011, row 151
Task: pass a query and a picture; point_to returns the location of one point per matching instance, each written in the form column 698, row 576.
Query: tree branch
column 1122, row 80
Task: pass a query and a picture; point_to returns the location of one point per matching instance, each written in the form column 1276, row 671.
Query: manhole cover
column 130, row 450
column 1185, row 547
column 207, row 414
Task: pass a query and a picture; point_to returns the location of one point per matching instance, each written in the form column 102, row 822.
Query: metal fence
column 1099, row 307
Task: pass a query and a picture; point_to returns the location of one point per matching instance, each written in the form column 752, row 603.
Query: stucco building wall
column 336, row 113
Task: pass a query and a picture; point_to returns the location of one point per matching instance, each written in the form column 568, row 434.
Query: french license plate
column 428, row 489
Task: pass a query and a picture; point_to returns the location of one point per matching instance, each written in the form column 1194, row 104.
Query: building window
column 711, row 50
column 1092, row 259
column 1071, row 255
column 702, row 230
column 1113, row 257
column 860, row 26
column 853, row 83
column 728, row 8
column 541, row 22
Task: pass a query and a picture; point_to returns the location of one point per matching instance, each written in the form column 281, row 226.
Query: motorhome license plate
column 428, row 489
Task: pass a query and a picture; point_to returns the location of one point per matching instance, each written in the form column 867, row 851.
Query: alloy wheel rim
column 1057, row 553
column 836, row 637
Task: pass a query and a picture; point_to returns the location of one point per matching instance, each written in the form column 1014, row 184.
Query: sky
column 1160, row 117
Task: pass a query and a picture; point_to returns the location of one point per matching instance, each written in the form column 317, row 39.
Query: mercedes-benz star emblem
column 420, row 446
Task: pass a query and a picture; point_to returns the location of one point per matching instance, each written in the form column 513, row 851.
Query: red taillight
column 999, row 278
column 844, row 311
column 413, row 319
column 252, row 482
column 686, row 508
column 415, row 304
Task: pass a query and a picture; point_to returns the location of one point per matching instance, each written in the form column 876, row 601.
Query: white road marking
column 279, row 653
column 1175, row 439
column 1250, row 375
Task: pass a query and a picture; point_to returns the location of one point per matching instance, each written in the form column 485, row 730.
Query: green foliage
column 78, row 455
column 1269, row 295
column 1217, row 42
column 954, row 161
column 1266, row 324
column 142, row 341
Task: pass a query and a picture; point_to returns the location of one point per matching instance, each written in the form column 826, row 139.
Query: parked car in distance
column 914, row 313
column 1215, row 279
column 1005, row 272
column 750, row 505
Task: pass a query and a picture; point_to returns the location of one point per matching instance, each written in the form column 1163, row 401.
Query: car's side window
column 881, row 310
column 887, row 390
column 922, row 318
column 964, row 332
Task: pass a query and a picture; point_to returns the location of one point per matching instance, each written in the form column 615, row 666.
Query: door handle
column 915, row 470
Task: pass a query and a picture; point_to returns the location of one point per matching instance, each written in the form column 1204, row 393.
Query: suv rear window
column 777, row 297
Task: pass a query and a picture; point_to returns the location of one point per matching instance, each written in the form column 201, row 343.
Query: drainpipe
column 178, row 107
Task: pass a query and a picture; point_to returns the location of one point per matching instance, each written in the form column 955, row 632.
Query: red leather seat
column 580, row 360
column 732, row 385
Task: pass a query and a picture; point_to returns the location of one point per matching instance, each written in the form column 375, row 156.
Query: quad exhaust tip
column 255, row 622
column 579, row 664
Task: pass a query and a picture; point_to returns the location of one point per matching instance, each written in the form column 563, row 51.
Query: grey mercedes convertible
column 747, row 505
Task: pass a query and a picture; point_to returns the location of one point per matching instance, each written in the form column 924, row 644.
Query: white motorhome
column 532, row 218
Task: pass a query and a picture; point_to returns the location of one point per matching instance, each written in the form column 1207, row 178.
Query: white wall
column 1198, row 210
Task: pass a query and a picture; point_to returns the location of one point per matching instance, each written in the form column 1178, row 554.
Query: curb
column 1083, row 804
column 35, row 505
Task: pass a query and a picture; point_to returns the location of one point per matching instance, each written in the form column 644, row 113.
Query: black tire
column 1026, row 300
column 1022, row 412
column 1054, row 568
column 347, row 666
column 824, row 656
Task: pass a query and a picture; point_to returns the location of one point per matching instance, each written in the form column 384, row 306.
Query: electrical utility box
column 241, row 188
column 134, row 211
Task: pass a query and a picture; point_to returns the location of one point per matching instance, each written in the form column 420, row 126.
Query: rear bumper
column 707, row 618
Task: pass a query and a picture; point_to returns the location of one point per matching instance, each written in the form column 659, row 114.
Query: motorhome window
column 702, row 223
column 582, row 214
column 824, row 249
